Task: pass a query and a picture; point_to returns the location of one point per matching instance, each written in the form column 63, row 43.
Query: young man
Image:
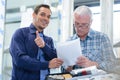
column 32, row 52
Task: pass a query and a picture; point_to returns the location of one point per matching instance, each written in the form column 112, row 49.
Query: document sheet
column 69, row 51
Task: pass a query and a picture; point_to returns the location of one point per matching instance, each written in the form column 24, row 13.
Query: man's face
column 41, row 20
column 82, row 25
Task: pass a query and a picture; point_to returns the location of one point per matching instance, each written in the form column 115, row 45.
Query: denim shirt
column 24, row 51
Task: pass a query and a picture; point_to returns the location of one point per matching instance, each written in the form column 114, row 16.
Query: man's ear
column 33, row 15
column 91, row 21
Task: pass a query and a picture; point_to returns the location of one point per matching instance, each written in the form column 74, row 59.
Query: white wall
column 2, row 17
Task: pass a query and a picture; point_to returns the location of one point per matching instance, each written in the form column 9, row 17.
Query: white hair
column 83, row 10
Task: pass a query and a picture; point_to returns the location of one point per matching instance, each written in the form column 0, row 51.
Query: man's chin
column 42, row 27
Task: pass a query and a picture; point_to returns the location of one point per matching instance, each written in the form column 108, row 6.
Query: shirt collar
column 33, row 29
column 89, row 35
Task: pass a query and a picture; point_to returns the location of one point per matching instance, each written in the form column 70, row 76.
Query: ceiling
column 89, row 2
column 14, row 6
column 86, row 2
column 19, row 3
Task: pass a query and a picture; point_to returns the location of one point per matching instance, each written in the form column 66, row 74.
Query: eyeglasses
column 83, row 25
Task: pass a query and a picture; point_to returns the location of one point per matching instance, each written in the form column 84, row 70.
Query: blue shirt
column 24, row 53
column 97, row 47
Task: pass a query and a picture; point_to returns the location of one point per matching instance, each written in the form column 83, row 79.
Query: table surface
column 101, row 76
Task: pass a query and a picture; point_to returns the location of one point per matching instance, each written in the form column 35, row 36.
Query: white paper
column 55, row 70
column 69, row 51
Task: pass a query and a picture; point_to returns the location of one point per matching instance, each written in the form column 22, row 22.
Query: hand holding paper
column 69, row 51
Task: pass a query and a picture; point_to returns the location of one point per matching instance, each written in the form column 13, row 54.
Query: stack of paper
column 69, row 51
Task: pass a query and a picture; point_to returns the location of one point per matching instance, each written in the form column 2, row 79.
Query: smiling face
column 41, row 19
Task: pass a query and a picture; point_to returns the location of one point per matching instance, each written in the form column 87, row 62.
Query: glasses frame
column 83, row 25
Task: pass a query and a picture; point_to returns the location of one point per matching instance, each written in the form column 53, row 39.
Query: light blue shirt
column 97, row 47
column 43, row 73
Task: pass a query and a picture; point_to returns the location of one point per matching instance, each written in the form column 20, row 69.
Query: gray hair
column 83, row 10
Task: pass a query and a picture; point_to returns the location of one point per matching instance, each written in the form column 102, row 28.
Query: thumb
column 37, row 34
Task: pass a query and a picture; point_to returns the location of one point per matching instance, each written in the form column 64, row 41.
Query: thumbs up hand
column 39, row 41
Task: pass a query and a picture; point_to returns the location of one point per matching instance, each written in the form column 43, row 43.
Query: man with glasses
column 96, row 47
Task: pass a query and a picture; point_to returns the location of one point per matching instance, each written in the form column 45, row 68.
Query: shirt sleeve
column 49, row 50
column 107, row 52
